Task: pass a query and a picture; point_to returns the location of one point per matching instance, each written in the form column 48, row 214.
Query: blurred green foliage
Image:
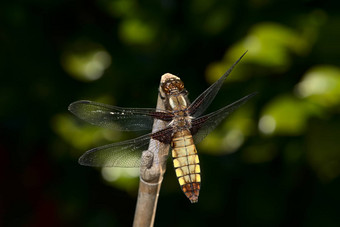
column 274, row 162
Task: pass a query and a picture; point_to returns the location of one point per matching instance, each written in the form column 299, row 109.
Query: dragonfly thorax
column 180, row 122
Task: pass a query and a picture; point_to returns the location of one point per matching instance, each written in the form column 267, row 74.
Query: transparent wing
column 113, row 117
column 123, row 154
column 202, row 102
column 202, row 126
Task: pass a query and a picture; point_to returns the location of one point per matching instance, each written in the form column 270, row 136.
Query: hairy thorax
column 181, row 121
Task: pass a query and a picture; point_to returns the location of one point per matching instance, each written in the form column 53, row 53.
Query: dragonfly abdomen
column 186, row 164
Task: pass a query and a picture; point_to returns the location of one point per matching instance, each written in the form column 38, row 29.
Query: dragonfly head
column 171, row 84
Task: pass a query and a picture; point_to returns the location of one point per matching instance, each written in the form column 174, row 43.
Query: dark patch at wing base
column 164, row 135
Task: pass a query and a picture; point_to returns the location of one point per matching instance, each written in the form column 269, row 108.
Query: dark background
column 274, row 162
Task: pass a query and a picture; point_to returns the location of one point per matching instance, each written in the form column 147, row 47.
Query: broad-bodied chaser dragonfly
column 185, row 128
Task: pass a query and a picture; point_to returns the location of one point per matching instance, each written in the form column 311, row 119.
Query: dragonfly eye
column 172, row 86
column 180, row 85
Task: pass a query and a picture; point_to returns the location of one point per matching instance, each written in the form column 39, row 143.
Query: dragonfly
column 185, row 127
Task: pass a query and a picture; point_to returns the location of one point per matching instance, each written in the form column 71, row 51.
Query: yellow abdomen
column 186, row 164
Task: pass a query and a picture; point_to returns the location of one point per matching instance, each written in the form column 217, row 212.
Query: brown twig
column 151, row 175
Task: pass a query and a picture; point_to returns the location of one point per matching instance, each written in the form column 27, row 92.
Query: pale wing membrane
column 202, row 102
column 202, row 126
column 123, row 154
column 113, row 117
